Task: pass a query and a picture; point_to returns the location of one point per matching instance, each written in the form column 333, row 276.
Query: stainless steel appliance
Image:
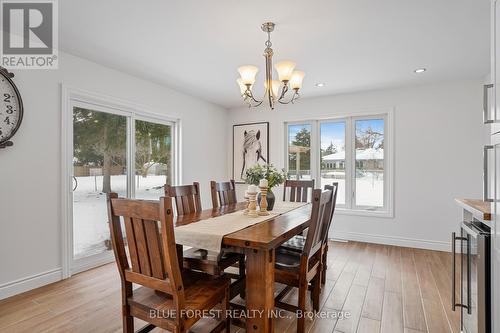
column 475, row 281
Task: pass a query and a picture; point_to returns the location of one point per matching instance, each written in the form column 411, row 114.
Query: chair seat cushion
column 290, row 260
column 295, row 244
column 287, row 260
column 200, row 292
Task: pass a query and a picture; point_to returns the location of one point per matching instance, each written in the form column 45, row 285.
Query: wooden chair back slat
column 142, row 246
column 186, row 197
column 298, row 196
column 304, row 192
column 153, row 240
column 330, row 208
column 299, row 189
column 132, row 246
column 223, row 193
column 320, row 200
column 187, row 204
column 152, row 249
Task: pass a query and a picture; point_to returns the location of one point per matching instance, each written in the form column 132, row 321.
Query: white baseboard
column 87, row 263
column 390, row 240
column 31, row 282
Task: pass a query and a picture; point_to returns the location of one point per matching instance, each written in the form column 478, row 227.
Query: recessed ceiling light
column 420, row 70
column 321, row 84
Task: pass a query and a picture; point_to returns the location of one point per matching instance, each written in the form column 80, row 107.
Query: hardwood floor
column 380, row 289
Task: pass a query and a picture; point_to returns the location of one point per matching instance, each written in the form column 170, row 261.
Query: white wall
column 438, row 156
column 30, row 196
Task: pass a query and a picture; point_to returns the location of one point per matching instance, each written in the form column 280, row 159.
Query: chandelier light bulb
column 296, row 80
column 285, row 70
column 248, row 74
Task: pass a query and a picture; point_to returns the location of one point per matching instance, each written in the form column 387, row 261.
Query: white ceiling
column 350, row 45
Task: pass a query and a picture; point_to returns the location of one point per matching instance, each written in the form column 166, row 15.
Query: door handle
column 485, row 173
column 486, row 104
column 454, row 303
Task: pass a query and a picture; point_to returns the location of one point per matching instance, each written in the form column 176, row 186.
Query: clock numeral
column 9, row 109
column 7, row 97
column 7, row 120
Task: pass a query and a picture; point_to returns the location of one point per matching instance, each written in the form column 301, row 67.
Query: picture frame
column 250, row 147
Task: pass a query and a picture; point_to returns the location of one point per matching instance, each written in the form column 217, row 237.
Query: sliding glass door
column 112, row 151
column 99, row 167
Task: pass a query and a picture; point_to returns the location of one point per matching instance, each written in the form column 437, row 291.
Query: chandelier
column 275, row 90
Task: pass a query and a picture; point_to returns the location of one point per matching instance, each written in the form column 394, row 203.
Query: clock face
column 11, row 108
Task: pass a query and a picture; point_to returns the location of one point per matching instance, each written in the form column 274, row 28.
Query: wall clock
column 11, row 108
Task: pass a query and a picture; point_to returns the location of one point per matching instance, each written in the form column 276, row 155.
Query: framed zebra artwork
column 250, row 147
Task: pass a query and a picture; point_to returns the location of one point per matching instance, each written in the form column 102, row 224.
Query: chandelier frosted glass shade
column 285, row 70
column 248, row 73
column 296, row 79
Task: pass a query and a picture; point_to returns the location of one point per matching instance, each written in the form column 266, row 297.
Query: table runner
column 207, row 234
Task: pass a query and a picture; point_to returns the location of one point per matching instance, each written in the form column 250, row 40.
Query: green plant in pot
column 274, row 178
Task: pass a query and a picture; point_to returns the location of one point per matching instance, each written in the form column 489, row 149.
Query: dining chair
column 296, row 244
column 298, row 192
column 298, row 189
column 165, row 293
column 298, row 270
column 187, row 200
column 223, row 193
column 326, row 228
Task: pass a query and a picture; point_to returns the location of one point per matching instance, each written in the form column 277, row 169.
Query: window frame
column 350, row 207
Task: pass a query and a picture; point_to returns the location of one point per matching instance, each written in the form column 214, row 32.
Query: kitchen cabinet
column 493, row 170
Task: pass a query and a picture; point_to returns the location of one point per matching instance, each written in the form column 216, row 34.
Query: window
column 369, row 156
column 299, row 151
column 353, row 152
column 332, row 153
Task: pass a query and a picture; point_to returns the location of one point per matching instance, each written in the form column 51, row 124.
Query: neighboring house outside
column 367, row 159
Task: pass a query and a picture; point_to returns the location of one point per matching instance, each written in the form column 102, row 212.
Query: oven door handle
column 454, row 303
column 469, row 294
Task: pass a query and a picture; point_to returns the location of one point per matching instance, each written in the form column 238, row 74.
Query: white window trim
column 389, row 173
column 71, row 96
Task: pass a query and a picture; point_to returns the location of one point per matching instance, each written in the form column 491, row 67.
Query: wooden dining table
column 258, row 242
